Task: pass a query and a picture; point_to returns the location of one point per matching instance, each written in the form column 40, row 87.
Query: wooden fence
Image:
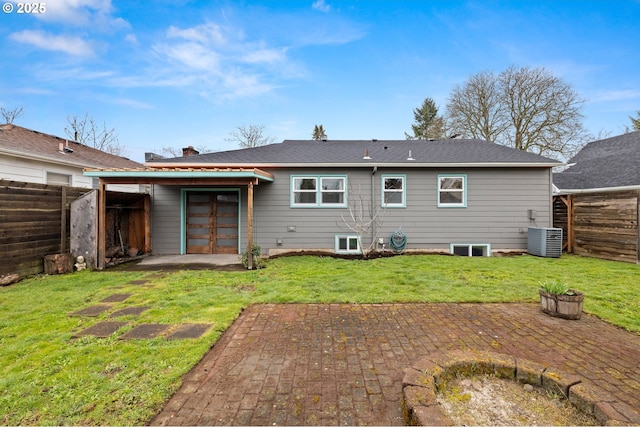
column 600, row 225
column 34, row 222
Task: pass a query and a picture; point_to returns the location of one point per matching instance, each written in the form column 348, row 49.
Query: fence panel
column 34, row 222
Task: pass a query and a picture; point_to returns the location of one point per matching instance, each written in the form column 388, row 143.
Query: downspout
column 373, row 200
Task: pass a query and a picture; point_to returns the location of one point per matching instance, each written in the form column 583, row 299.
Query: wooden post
column 63, row 220
column 250, row 225
column 102, row 224
column 570, row 232
column 147, row 224
column 638, row 226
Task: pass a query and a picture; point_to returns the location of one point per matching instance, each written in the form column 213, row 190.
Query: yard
column 50, row 378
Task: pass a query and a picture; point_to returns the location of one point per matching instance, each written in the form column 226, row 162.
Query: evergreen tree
column 428, row 125
column 635, row 122
column 318, row 133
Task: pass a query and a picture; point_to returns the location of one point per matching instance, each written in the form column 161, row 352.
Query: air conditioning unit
column 545, row 242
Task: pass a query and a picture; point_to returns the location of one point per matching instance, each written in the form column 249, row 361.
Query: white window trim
column 463, row 204
column 294, row 191
column 318, row 192
column 485, row 246
column 347, row 251
column 402, row 204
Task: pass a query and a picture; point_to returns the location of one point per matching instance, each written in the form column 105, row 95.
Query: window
column 465, row 249
column 318, row 191
column 305, row 191
column 347, row 244
column 452, row 191
column 58, row 179
column 393, row 191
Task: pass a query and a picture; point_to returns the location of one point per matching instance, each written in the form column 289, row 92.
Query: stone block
column 559, row 382
column 529, row 372
column 417, row 378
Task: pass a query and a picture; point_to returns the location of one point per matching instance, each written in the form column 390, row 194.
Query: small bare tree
column 250, row 136
column 10, row 116
column 177, row 152
column 85, row 131
column 363, row 216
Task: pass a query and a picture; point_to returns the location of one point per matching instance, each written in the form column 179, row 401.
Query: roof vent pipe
column 366, row 154
column 410, row 156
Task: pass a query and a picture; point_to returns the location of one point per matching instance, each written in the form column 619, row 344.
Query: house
column 467, row 197
column 596, row 199
column 30, row 156
column 610, row 164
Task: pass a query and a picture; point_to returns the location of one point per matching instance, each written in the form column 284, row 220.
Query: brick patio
column 315, row 364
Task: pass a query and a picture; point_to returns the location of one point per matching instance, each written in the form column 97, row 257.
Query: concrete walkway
column 190, row 262
column 343, row 364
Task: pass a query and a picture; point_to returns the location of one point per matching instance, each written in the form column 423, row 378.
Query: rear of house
column 467, row 197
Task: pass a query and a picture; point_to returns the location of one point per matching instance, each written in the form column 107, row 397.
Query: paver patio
column 317, row 364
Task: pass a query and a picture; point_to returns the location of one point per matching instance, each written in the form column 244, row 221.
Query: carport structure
column 188, row 178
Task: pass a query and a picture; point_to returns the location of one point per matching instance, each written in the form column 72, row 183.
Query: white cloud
column 70, row 45
column 615, row 95
column 97, row 14
column 321, row 6
column 205, row 33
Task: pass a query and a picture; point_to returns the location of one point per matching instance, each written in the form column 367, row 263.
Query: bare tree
column 177, row 152
column 475, row 109
column 363, row 217
column 10, row 116
column 85, row 131
column 525, row 108
column 250, row 136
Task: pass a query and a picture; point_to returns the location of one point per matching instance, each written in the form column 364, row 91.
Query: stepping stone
column 100, row 330
column 146, row 331
column 116, row 298
column 189, row 330
column 91, row 311
column 138, row 282
column 130, row 311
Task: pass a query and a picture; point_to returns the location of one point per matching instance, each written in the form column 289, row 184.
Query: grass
column 49, row 378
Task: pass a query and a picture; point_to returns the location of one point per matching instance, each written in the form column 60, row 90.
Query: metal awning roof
column 153, row 173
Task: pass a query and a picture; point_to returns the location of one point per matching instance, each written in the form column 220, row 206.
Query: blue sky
column 176, row 73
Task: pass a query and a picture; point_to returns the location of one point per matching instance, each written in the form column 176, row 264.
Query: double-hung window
column 452, row 191
column 394, row 191
column 318, row 191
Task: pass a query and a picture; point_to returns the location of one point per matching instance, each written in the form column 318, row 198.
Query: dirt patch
column 491, row 401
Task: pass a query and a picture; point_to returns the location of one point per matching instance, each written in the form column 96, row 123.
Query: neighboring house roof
column 25, row 143
column 402, row 153
column 607, row 163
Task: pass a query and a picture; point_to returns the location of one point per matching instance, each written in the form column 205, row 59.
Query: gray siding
column 165, row 220
column 496, row 213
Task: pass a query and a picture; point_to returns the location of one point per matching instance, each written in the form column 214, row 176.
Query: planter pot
column 564, row 306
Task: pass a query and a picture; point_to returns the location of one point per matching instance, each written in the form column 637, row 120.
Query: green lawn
column 49, row 378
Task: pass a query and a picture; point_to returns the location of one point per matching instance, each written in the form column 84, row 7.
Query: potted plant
column 558, row 300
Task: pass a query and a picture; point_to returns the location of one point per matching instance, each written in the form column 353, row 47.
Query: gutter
column 350, row 165
column 597, row 190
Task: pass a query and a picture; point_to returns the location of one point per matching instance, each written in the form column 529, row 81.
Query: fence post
column 63, row 220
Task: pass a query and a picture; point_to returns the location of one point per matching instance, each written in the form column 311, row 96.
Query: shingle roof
column 611, row 162
column 16, row 140
column 341, row 152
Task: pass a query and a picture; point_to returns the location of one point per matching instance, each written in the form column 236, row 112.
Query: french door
column 212, row 222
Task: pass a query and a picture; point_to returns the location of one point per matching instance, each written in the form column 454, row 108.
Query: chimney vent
column 189, row 151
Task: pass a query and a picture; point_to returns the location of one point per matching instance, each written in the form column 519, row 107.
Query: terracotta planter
column 564, row 306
